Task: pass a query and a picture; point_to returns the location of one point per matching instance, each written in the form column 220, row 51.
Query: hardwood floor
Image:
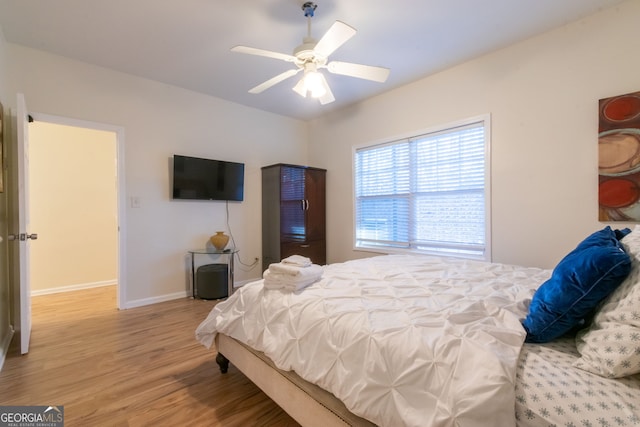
column 136, row 367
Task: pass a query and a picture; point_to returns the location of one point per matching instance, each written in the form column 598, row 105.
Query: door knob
column 23, row 236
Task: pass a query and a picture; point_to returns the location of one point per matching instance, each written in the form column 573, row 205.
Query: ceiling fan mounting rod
column 309, row 8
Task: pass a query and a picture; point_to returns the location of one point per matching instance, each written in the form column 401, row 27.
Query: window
column 427, row 193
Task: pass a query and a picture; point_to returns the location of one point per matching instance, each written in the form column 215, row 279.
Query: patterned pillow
column 610, row 347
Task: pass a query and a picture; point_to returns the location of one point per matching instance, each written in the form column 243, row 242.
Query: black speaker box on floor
column 211, row 281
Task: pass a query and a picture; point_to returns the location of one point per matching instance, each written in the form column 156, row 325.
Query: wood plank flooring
column 136, row 367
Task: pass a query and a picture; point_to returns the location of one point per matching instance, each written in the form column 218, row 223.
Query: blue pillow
column 603, row 237
column 582, row 279
column 621, row 233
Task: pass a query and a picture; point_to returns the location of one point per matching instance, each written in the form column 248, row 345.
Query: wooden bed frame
column 308, row 404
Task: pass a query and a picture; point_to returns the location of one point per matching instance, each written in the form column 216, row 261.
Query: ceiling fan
column 311, row 56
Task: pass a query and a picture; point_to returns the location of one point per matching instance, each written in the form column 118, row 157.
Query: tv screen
column 205, row 179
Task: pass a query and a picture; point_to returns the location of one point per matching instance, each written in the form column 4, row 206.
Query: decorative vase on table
column 219, row 240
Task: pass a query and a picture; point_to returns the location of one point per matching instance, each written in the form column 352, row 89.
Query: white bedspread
column 401, row 340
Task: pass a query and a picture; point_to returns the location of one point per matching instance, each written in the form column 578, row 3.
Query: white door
column 23, row 237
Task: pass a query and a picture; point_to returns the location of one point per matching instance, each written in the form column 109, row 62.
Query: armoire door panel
column 292, row 221
column 292, row 212
column 315, row 191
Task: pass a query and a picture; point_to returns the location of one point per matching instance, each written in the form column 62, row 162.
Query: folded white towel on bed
column 292, row 274
column 287, row 282
column 292, row 270
column 298, row 260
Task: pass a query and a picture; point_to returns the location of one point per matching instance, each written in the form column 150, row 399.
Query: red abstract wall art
column 619, row 158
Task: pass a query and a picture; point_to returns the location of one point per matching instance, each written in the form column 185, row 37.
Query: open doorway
column 74, row 194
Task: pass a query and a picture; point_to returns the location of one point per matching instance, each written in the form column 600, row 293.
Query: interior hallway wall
column 72, row 175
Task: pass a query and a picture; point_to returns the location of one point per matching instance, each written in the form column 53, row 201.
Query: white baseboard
column 169, row 297
column 4, row 347
column 133, row 303
column 73, row 287
column 155, row 300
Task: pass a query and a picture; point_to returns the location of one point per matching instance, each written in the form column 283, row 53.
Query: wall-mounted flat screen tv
column 205, row 179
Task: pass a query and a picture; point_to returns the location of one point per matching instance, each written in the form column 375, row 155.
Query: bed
column 416, row 340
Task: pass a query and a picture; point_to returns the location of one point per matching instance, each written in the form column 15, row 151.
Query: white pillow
column 610, row 347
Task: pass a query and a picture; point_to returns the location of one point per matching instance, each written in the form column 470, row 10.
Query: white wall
column 542, row 95
column 72, row 189
column 159, row 121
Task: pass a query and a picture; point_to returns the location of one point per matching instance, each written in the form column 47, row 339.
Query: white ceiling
column 186, row 42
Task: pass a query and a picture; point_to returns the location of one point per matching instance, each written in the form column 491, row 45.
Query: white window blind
column 425, row 193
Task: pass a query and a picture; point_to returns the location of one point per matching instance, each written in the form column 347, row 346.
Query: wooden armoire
column 293, row 213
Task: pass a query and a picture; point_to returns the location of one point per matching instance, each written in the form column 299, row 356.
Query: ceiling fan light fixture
column 313, row 83
column 300, row 89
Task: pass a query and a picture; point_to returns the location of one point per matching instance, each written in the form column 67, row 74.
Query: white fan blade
column 273, row 81
column 328, row 96
column 262, row 52
column 335, row 37
column 368, row 72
